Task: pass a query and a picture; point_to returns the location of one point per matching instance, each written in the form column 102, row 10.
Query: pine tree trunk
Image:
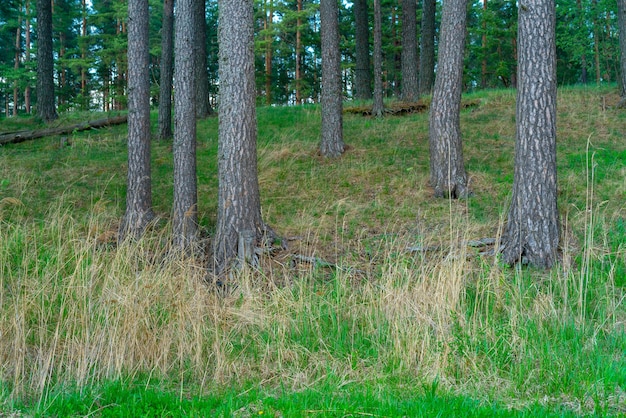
column 362, row 82
column 203, row 107
column 532, row 230
column 621, row 14
column 378, row 107
column 139, row 192
column 269, row 40
column 447, row 170
column 239, row 205
column 427, row 49
column 332, row 101
column 185, row 226
column 45, row 65
column 298, row 54
column 27, row 89
column 18, row 49
column 167, row 57
column 409, row 58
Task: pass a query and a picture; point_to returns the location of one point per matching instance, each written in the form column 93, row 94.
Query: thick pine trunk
column 332, row 101
column 203, row 107
column 139, row 192
column 532, row 230
column 45, row 65
column 167, row 58
column 239, row 205
column 378, row 108
column 447, row 170
column 409, row 51
column 427, row 49
column 185, row 183
column 362, row 82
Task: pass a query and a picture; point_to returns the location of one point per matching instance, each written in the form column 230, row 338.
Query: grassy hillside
column 408, row 316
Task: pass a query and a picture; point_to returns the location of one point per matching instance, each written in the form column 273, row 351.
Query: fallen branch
column 318, row 262
column 476, row 243
column 21, row 136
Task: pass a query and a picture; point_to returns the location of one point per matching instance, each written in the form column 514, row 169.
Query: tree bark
column 298, row 54
column 332, row 101
column 203, row 107
column 45, row 64
column 363, row 81
column 447, row 170
column 269, row 47
column 621, row 14
column 185, row 226
column 427, row 50
column 18, row 49
column 239, row 205
column 532, row 230
column 409, row 58
column 27, row 89
column 139, row 192
column 167, row 58
column 378, row 108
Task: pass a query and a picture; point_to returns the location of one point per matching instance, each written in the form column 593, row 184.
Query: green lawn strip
column 116, row 399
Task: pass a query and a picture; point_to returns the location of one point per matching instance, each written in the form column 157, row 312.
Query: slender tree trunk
column 362, row 82
column 139, row 192
column 596, row 42
column 378, row 108
column 269, row 40
column 409, row 58
column 203, row 107
column 27, row 89
column 299, row 54
column 45, row 65
column 83, row 55
column 532, row 230
column 185, row 184
column 447, row 170
column 427, row 50
column 483, row 66
column 167, row 57
column 332, row 101
column 18, row 49
column 239, row 204
column 621, row 14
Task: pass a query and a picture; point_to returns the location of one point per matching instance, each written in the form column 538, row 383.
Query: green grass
column 117, row 399
column 90, row 328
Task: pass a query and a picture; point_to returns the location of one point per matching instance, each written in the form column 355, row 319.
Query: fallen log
column 21, row 136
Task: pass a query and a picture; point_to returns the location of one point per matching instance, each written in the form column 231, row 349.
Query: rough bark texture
column 185, row 183
column 447, row 171
column 532, row 230
column 45, row 65
column 378, row 107
column 239, row 206
column 139, row 193
column 409, row 51
column 427, row 49
column 203, row 107
column 362, row 79
column 167, row 58
column 298, row 79
column 621, row 13
column 332, row 101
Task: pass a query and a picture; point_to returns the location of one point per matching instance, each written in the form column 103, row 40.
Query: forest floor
column 379, row 306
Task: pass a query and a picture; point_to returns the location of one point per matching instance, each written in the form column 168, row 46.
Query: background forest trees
column 90, row 44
